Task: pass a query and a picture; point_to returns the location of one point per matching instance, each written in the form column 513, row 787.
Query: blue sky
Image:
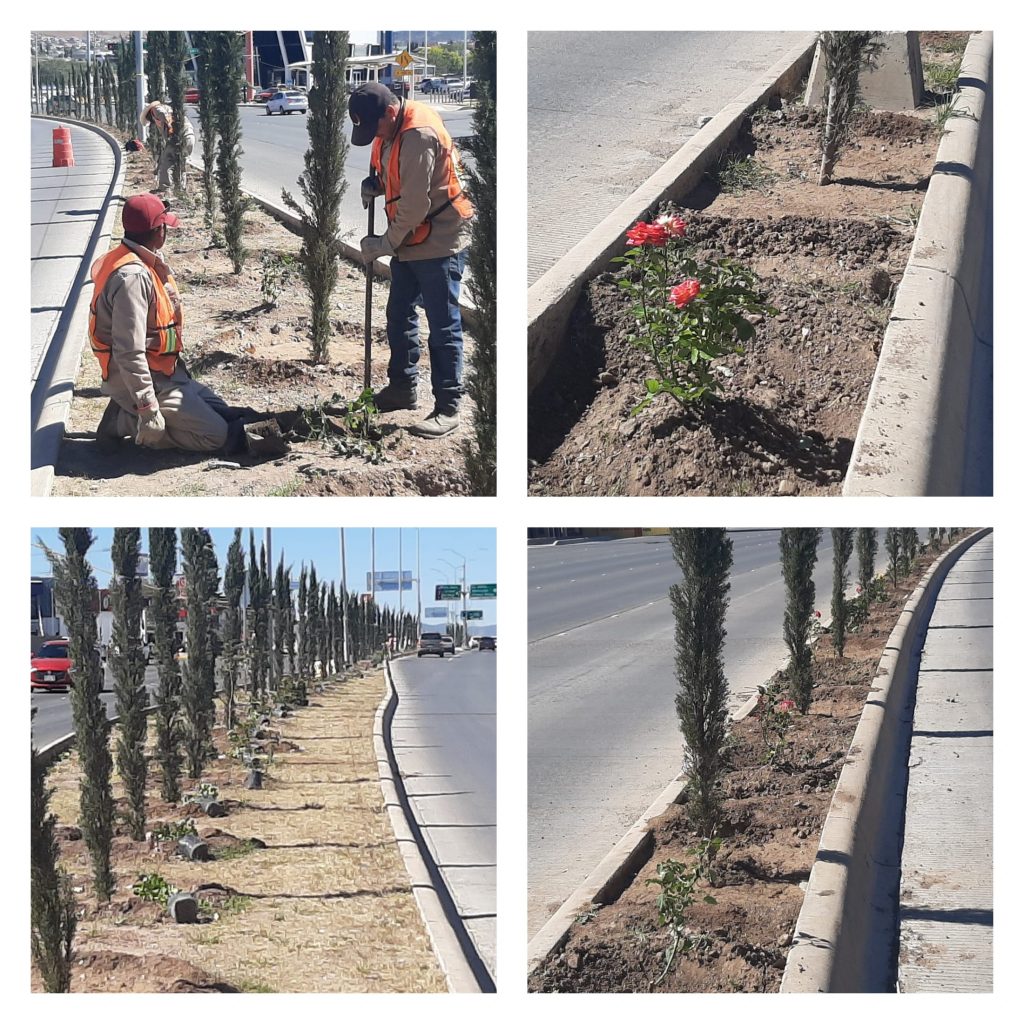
column 321, row 547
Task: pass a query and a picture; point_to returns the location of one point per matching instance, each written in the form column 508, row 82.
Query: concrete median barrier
column 846, row 929
column 552, row 297
column 914, row 435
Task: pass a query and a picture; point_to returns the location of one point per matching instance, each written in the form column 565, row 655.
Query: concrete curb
column 840, row 939
column 55, row 386
column 551, row 298
column 463, row 969
column 351, row 252
column 912, row 435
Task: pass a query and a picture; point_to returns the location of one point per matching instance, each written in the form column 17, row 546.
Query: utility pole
column 344, row 604
column 465, row 63
column 401, row 582
column 373, row 578
column 411, row 69
column 39, row 107
column 419, row 588
column 140, row 76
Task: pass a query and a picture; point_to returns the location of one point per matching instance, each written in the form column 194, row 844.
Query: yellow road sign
column 404, row 59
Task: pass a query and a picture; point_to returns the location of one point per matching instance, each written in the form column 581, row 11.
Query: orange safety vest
column 419, row 115
column 163, row 328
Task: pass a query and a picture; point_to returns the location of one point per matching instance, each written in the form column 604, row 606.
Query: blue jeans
column 434, row 285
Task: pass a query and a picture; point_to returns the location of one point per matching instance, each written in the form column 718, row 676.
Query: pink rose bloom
column 786, row 705
column 684, row 292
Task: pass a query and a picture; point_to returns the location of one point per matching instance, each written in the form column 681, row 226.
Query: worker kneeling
column 416, row 168
column 135, row 332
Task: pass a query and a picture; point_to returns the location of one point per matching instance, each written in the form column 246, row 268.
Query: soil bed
column 259, row 357
column 772, row 820
column 304, row 891
column 828, row 258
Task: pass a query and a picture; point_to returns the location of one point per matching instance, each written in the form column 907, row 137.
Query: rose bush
column 687, row 314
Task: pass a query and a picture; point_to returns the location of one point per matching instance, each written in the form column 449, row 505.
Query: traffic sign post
column 447, row 592
column 483, row 591
column 473, row 613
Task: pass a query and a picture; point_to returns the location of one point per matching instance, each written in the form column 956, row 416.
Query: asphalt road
column 273, row 151
column 53, row 720
column 444, row 741
column 603, row 734
column 607, row 109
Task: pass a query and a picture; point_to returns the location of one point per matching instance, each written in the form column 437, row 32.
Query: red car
column 51, row 666
column 264, row 94
column 192, row 95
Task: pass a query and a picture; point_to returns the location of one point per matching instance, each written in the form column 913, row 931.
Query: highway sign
column 473, row 613
column 447, row 592
column 389, row 580
column 435, row 613
column 483, row 591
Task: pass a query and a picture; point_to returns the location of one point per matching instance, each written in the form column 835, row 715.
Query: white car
column 448, row 644
column 286, row 102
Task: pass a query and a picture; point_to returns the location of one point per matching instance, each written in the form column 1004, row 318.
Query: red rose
column 647, row 234
column 684, row 292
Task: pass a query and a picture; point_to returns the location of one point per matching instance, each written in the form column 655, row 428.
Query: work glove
column 375, row 246
column 369, row 189
column 152, row 430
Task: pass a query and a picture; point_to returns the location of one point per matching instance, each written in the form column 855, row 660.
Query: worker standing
column 160, row 116
column 416, row 168
column 135, row 324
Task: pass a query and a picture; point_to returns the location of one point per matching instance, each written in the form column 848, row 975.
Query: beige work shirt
column 125, row 317
column 424, row 178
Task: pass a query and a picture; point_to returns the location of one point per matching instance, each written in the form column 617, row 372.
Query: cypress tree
column 198, row 677
column 323, row 631
column 282, row 595
column 699, row 605
column 908, row 546
column 334, row 632
column 480, row 451
column 313, row 620
column 207, row 128
column 225, row 79
column 234, row 582
column 52, row 902
column 892, row 549
column 129, row 667
column 156, row 49
column 290, row 626
column 176, row 55
column 842, row 549
column 76, row 597
column 867, row 547
column 798, row 548
column 303, row 639
column 259, row 653
column 163, row 609
column 323, row 184
column 845, row 54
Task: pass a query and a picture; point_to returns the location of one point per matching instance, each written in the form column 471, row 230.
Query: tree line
column 700, row 602
column 247, row 645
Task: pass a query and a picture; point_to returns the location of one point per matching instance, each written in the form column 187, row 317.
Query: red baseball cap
column 145, row 213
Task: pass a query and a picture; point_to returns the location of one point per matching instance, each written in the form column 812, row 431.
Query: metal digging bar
column 368, row 315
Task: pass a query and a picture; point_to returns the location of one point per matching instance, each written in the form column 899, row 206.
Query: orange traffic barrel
column 63, row 154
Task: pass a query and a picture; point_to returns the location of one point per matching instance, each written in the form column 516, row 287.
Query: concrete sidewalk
column 946, row 888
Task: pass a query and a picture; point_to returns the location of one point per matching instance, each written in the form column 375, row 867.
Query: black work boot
column 394, row 397
column 108, row 437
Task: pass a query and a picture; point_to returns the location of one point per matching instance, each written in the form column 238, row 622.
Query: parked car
column 488, row 643
column 448, row 643
column 430, row 643
column 191, row 94
column 474, row 642
column 287, row 102
column 262, row 95
column 51, row 666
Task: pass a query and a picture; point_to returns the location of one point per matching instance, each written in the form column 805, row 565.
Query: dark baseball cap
column 144, row 213
column 366, row 107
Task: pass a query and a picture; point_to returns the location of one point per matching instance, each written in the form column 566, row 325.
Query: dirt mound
column 105, row 971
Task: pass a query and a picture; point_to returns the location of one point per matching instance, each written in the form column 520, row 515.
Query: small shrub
column 153, row 888
column 171, row 831
column 775, row 716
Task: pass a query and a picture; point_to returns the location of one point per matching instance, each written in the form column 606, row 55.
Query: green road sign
column 483, row 591
column 473, row 613
column 447, row 592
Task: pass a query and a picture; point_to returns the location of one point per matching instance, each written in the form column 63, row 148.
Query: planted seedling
column 153, row 888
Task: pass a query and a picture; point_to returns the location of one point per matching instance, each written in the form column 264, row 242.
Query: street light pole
column 344, row 605
column 272, row 668
column 140, row 76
